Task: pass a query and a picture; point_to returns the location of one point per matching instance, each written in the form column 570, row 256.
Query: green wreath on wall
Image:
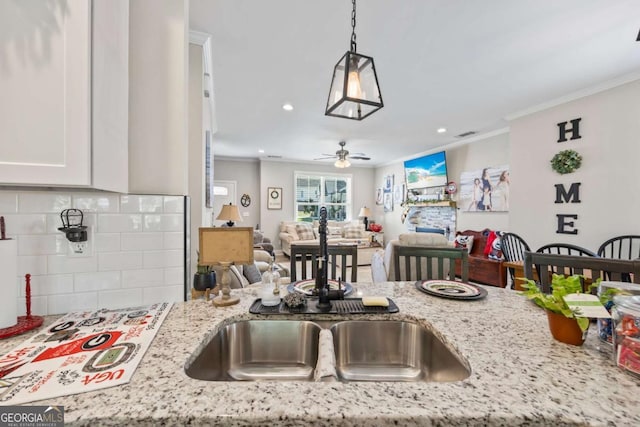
column 566, row 161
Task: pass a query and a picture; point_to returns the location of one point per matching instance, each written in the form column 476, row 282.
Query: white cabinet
column 64, row 86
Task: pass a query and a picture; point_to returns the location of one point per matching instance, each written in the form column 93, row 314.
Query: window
column 314, row 191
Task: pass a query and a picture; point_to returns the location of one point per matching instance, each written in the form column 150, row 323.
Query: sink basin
column 378, row 350
column 254, row 350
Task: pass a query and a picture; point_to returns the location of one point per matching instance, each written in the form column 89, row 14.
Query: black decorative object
column 72, row 225
column 566, row 161
column 204, row 281
column 354, row 93
column 245, row 200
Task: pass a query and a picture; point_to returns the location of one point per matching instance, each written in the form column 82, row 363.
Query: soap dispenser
column 270, row 286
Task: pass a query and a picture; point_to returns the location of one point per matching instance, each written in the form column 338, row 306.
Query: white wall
column 158, row 64
column 609, row 181
column 280, row 174
column 246, row 173
column 137, row 256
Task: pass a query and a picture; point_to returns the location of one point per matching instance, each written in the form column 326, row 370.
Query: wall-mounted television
column 426, row 171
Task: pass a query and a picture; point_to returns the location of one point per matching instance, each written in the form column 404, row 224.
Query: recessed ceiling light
column 287, row 107
column 261, row 151
column 442, row 130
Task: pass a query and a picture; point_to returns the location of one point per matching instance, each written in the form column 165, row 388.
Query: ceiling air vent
column 463, row 134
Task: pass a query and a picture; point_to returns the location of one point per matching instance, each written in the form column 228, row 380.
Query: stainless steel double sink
column 365, row 350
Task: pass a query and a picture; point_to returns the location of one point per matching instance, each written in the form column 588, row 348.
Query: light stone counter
column 520, row 375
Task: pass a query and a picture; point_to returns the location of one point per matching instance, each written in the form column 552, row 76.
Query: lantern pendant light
column 355, row 93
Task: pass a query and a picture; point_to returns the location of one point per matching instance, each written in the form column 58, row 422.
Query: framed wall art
column 274, row 198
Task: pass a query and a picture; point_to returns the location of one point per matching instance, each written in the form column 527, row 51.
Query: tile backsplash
column 137, row 254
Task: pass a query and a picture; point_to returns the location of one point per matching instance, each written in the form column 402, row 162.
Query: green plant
column 554, row 302
column 202, row 269
column 566, row 161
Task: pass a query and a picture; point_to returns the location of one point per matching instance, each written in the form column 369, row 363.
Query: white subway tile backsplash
column 120, row 298
column 9, row 202
column 107, row 242
column 119, row 223
column 164, row 294
column 173, row 240
column 96, row 281
column 43, row 202
column 34, row 265
column 173, row 204
column 162, row 259
column 58, row 264
column 25, row 224
column 137, row 253
column 140, row 241
column 143, row 278
column 43, row 244
column 49, row 285
column 60, row 304
column 119, row 261
column 97, row 202
column 166, row 222
column 173, row 276
column 134, row 204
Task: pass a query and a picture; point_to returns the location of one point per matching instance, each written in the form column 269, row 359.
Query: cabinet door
column 45, row 76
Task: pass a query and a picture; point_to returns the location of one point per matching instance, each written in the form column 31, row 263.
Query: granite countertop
column 520, row 375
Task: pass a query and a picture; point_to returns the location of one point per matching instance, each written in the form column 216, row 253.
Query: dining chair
column 428, row 263
column 565, row 249
column 339, row 256
column 513, row 249
column 593, row 268
column 621, row 247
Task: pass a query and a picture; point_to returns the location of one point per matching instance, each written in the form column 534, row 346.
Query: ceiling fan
column 341, row 156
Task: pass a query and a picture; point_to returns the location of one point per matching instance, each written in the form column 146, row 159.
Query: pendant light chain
column 353, row 27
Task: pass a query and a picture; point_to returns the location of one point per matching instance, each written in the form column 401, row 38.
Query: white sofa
column 382, row 268
column 337, row 232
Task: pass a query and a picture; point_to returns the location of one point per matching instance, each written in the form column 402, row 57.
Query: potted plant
column 566, row 325
column 205, row 277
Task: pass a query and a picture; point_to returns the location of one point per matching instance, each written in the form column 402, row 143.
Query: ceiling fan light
column 342, row 163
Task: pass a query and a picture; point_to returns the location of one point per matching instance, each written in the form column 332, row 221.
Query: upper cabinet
column 64, row 85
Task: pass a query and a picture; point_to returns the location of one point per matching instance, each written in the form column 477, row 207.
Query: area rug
column 80, row 352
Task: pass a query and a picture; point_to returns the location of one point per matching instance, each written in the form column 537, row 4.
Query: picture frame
column 274, row 198
column 379, row 197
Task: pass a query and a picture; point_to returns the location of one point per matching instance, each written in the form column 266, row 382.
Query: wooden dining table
column 520, row 279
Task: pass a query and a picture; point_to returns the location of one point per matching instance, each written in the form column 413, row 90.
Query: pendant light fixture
column 355, row 93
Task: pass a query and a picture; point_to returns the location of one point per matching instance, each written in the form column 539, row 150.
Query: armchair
column 262, row 242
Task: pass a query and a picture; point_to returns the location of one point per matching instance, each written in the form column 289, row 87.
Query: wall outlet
column 81, row 249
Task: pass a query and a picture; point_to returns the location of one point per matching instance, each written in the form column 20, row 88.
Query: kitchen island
column 520, row 375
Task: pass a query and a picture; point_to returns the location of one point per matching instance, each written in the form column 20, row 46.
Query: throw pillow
column 351, row 232
column 305, row 231
column 464, row 242
column 334, row 231
column 291, row 229
column 252, row 273
column 493, row 249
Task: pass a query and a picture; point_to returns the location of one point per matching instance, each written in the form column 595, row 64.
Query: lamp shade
column 364, row 212
column 229, row 213
column 355, row 93
column 342, row 163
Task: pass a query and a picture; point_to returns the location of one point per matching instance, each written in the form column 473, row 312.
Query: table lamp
column 229, row 213
column 365, row 212
column 225, row 246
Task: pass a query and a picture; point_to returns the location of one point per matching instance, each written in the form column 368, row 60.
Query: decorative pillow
column 464, row 242
column 351, row 232
column 291, row 229
column 305, row 231
column 334, row 231
column 251, row 272
column 493, row 249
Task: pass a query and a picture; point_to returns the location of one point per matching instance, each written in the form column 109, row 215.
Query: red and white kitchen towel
column 80, row 352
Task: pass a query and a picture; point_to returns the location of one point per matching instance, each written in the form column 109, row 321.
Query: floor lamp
column 225, row 246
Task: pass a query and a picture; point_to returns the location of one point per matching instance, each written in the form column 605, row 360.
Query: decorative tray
column 345, row 306
column 451, row 289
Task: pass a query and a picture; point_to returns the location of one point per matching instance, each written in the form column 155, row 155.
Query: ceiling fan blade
column 358, row 154
column 329, row 155
column 360, row 158
column 325, row 158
